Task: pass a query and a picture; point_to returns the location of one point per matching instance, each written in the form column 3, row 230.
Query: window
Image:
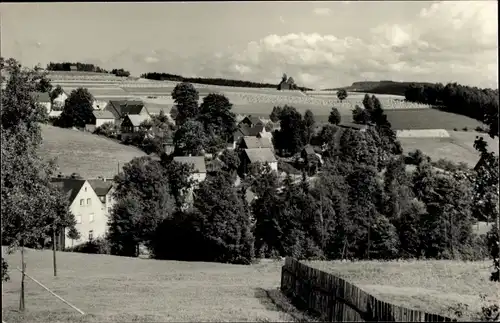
column 82, row 202
column 103, row 199
column 78, row 219
column 91, row 217
column 85, row 189
column 88, row 201
column 91, row 234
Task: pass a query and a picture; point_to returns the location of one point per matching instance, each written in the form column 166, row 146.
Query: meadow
column 120, row 289
column 84, row 153
column 112, row 289
column 432, row 286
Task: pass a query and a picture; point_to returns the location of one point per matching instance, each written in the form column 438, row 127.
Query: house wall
column 100, row 122
column 83, row 215
column 199, row 177
column 61, row 98
column 274, row 166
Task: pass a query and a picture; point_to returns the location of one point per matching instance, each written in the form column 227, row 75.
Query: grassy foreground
column 120, row 289
column 431, row 286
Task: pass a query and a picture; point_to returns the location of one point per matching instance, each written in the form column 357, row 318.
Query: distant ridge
column 379, row 87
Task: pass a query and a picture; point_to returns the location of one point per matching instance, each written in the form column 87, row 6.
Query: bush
column 287, row 168
column 465, row 129
column 96, row 246
column 479, row 129
column 455, row 129
column 5, row 268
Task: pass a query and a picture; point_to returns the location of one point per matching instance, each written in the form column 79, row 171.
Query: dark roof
column 253, row 120
column 103, row 114
column 249, row 131
column 309, row 150
column 42, row 97
column 120, row 108
column 198, row 162
column 101, row 188
column 69, row 186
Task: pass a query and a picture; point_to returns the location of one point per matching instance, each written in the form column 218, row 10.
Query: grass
column 430, row 286
column 459, row 147
column 121, row 289
column 84, row 153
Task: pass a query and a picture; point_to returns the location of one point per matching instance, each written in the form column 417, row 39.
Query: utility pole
column 54, row 248
column 23, row 266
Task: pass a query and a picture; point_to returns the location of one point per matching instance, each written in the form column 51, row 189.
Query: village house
column 251, row 121
column 104, row 189
column 85, row 204
column 58, row 102
column 258, row 155
column 99, row 118
column 122, row 108
column 199, row 173
column 354, row 126
column 43, row 99
column 244, row 130
column 131, row 124
column 250, row 142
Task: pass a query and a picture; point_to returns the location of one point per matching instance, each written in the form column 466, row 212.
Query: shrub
column 455, row 129
column 479, row 129
column 96, row 246
column 465, row 129
column 5, row 268
column 287, row 168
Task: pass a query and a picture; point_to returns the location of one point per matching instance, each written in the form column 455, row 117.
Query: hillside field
column 431, row 286
column 121, row 289
column 84, row 153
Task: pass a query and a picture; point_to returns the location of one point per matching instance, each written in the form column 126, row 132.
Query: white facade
column 90, row 216
column 274, row 166
column 61, row 99
column 198, row 177
column 100, row 122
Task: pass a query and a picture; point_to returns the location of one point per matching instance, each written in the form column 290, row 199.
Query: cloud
column 322, row 11
column 445, row 42
column 448, row 41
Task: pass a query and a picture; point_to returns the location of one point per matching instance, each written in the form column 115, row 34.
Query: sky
column 319, row 44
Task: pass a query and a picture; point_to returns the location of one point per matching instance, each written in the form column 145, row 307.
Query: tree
column 190, row 139
column 55, row 93
column 222, row 222
column 292, row 135
column 231, row 160
column 368, row 103
column 217, row 117
column 143, row 202
column 342, row 94
column 44, row 85
column 179, row 181
column 123, row 223
column 309, row 124
column 78, row 109
column 360, row 115
column 186, row 99
column 334, row 117
column 30, row 208
column 276, row 113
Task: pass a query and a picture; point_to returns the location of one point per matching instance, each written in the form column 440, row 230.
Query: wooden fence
column 334, row 300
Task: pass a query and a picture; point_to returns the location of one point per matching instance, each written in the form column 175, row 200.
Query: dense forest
column 211, row 81
column 80, row 67
column 480, row 104
column 379, row 87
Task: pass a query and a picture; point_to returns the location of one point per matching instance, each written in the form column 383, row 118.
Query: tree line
column 363, row 205
column 85, row 67
column 477, row 103
column 210, row 81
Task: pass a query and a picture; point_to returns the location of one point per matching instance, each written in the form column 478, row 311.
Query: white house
column 104, row 189
column 259, row 155
column 60, row 99
column 102, row 117
column 199, row 167
column 43, row 99
column 85, row 204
